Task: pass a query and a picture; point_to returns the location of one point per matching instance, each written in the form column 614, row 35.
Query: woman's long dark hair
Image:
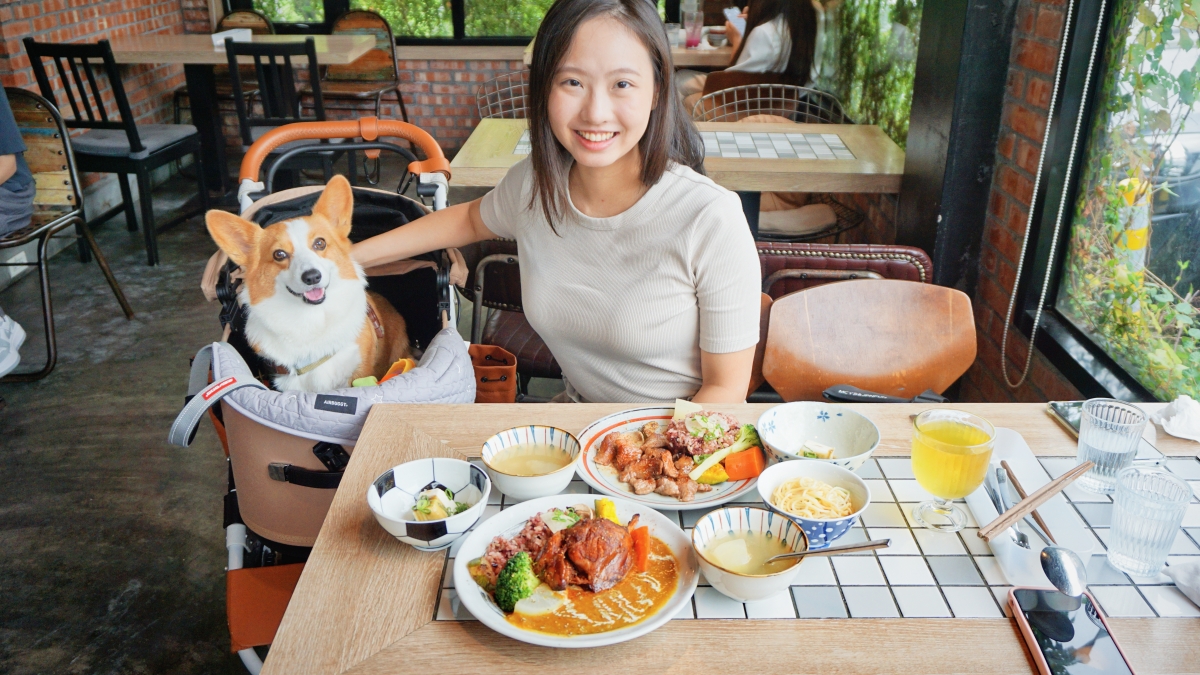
column 670, row 135
column 800, row 18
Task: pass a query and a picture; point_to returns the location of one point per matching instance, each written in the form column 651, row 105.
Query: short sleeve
column 503, row 209
column 728, row 278
column 10, row 136
column 764, row 51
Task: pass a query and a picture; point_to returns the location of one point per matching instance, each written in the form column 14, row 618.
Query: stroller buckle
column 277, row 471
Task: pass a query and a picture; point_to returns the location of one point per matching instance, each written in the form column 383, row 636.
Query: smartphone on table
column 1067, row 636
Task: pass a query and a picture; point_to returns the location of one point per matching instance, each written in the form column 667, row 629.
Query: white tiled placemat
column 762, row 145
column 923, row 573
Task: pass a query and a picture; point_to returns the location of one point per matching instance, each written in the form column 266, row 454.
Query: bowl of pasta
column 825, row 500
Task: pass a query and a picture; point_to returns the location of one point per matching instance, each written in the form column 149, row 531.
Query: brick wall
column 1030, row 80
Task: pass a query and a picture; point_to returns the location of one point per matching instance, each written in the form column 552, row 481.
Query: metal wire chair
column 799, row 104
column 504, row 97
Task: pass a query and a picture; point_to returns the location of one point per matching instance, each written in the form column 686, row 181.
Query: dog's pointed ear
column 337, row 205
column 236, row 236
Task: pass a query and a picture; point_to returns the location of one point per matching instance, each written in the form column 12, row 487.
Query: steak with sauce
column 595, row 553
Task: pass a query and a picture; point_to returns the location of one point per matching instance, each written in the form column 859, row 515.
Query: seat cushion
column 511, row 331
column 115, row 143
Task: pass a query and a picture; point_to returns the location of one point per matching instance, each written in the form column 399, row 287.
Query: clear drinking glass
column 1109, row 433
column 950, row 454
column 1147, row 512
column 693, row 24
column 673, row 34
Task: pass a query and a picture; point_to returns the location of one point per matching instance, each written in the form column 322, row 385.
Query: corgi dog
column 308, row 310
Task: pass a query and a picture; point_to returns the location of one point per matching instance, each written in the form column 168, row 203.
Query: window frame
column 1084, row 363
column 458, row 20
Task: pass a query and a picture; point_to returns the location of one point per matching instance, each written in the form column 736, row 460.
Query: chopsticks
column 1023, row 507
column 1012, row 477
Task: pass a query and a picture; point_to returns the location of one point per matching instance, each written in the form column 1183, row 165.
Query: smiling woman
column 639, row 273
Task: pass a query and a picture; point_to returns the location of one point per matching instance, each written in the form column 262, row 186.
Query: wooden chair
column 893, row 337
column 119, row 146
column 504, row 97
column 58, row 204
column 242, row 18
column 372, row 76
column 280, row 96
column 494, row 283
column 787, row 268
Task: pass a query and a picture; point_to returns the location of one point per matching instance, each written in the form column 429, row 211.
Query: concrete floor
column 111, row 548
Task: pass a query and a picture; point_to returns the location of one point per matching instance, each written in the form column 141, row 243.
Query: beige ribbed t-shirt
column 626, row 303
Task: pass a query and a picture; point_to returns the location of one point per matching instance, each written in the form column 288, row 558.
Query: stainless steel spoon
column 1021, row 538
column 1065, row 570
column 834, row 550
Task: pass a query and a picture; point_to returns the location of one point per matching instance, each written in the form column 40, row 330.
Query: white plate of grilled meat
column 561, row 571
column 637, row 455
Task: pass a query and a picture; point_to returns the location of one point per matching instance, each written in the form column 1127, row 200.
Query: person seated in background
column 782, row 36
column 16, row 210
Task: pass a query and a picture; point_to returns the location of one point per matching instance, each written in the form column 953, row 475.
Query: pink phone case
column 1031, row 642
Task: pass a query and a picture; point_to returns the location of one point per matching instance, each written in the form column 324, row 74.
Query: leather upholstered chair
column 494, row 282
column 787, row 268
column 893, row 337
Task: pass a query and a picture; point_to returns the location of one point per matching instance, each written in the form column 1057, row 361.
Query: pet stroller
column 286, row 450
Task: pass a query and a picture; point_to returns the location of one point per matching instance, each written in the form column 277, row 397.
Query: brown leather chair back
column 727, row 79
column 893, row 337
column 764, row 322
column 787, row 267
column 502, row 281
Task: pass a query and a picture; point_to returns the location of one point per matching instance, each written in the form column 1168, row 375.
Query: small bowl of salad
column 429, row 503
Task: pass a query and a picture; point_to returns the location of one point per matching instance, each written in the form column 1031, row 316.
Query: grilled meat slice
column 595, row 553
column 653, row 433
column 608, row 449
column 667, row 487
column 642, row 486
column 627, row 453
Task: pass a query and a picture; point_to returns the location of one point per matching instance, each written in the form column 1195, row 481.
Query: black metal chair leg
column 108, row 275
column 131, row 222
column 47, row 317
column 147, row 199
column 85, row 254
column 200, row 180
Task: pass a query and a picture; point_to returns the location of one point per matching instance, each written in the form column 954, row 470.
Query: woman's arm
column 457, row 225
column 8, row 167
column 726, row 377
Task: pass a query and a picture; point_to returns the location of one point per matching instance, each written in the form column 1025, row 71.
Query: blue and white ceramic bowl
column 731, row 520
column 820, row 533
column 392, row 495
column 521, row 488
column 785, row 428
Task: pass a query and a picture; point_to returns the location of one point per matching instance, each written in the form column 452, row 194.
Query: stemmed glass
column 951, row 450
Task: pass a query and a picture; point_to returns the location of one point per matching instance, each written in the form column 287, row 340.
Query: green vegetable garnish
column 516, row 582
column 705, row 427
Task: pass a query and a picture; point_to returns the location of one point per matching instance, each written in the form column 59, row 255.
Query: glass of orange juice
column 950, row 454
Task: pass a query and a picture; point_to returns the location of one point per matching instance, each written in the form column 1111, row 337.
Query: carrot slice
column 745, row 464
column 641, row 548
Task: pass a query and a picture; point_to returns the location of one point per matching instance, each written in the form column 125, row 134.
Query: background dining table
column 367, row 603
column 871, row 161
column 712, row 57
column 198, row 56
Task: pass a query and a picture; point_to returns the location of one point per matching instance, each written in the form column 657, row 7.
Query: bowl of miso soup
column 531, row 461
column 733, row 546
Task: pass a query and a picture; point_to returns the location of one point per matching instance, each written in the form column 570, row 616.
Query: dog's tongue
column 315, row 295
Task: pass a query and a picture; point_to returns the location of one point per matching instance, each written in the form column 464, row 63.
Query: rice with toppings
column 679, row 439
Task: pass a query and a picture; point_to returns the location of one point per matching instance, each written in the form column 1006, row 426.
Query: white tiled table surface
column 924, row 573
column 758, row 145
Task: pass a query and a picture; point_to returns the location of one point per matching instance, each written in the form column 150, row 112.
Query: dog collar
column 283, row 370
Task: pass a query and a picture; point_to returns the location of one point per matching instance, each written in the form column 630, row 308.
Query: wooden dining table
column 713, row 57
column 367, row 603
column 198, row 56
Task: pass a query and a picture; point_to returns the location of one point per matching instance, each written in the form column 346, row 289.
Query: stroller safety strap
column 202, row 396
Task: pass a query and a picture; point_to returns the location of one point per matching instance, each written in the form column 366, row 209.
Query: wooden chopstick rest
column 1023, row 507
column 1012, row 476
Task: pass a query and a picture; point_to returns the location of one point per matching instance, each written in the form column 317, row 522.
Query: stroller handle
column 366, row 128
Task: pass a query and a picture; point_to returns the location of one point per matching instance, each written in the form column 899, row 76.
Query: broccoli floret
column 747, row 438
column 516, row 582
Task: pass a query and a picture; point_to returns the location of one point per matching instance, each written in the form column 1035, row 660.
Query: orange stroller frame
column 281, row 485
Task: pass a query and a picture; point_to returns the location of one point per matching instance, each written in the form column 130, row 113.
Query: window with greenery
column 869, row 59
column 1131, row 275
column 412, row 18
column 292, row 11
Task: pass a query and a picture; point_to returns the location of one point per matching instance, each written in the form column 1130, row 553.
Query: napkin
column 1181, row 418
column 1187, row 579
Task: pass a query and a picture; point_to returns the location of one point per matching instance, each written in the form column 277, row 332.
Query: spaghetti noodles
column 810, row 498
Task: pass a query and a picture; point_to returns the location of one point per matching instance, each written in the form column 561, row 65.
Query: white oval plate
column 510, row 521
column 604, row 478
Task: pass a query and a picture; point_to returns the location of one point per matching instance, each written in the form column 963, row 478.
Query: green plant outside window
column 1133, row 257
column 292, row 11
column 869, row 59
column 412, row 18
